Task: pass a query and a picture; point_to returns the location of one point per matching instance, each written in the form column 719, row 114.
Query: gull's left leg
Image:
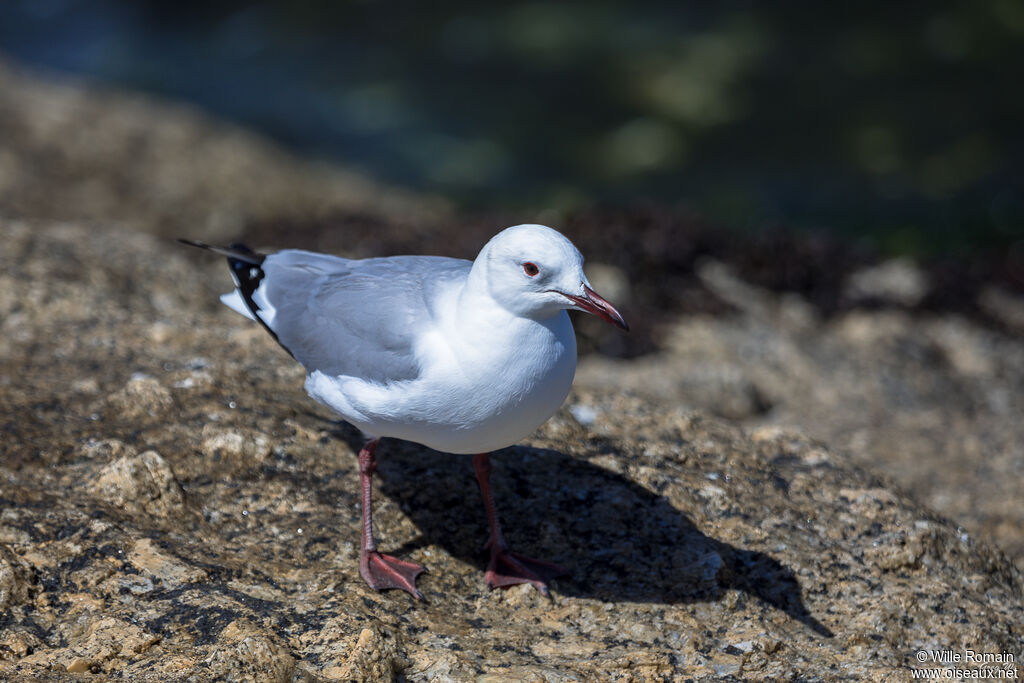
column 508, row 568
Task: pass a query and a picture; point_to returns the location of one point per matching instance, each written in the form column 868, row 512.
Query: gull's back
column 351, row 317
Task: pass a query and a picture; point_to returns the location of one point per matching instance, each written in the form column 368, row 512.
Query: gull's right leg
column 508, row 568
column 378, row 570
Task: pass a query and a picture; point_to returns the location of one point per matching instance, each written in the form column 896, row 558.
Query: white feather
column 266, row 310
column 234, row 301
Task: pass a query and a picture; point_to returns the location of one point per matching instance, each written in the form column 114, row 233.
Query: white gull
column 460, row 356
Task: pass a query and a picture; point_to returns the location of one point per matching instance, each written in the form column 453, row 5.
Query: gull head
column 535, row 272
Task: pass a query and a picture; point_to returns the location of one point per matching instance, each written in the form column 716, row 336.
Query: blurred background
column 897, row 125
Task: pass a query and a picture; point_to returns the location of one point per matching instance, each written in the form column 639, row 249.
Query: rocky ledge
column 175, row 508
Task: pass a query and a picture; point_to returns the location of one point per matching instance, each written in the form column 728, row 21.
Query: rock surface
column 930, row 399
column 175, row 508
column 162, row 167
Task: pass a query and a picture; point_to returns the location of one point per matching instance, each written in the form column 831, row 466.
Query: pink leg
column 378, row 570
column 508, row 568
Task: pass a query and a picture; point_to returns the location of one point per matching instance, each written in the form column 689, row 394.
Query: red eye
column 530, row 269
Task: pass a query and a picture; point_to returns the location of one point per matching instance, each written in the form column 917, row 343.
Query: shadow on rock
column 622, row 542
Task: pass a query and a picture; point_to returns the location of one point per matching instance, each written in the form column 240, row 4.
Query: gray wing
column 355, row 317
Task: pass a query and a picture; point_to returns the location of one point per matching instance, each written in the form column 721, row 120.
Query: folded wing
column 358, row 318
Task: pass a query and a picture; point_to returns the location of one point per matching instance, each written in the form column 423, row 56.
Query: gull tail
column 249, row 297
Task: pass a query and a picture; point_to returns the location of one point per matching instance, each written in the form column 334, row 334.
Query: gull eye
column 530, row 269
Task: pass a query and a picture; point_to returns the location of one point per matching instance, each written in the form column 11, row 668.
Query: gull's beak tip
column 592, row 302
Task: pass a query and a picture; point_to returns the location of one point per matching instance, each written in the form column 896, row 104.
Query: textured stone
column 161, row 167
column 248, row 445
column 14, row 578
column 144, row 484
column 696, row 551
column 147, row 557
column 373, row 657
column 103, row 645
column 244, row 652
column 140, row 396
column 928, row 399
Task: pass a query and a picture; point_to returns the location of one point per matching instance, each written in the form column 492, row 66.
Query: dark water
column 899, row 123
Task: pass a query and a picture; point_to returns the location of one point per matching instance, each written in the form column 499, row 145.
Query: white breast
column 484, row 394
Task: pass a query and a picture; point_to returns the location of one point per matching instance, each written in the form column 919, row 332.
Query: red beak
column 592, row 302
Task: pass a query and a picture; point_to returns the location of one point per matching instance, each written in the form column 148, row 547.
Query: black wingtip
column 236, row 251
column 247, row 271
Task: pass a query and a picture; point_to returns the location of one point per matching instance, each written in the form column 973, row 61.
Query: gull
column 464, row 357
